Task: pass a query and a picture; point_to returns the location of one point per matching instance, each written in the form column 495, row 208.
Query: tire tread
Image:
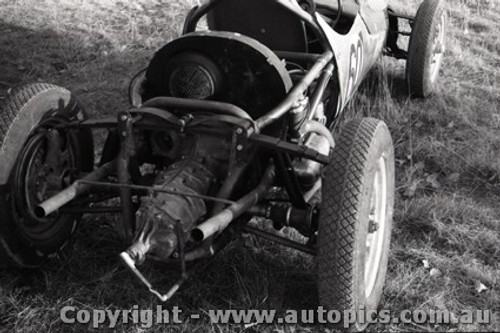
column 10, row 109
column 347, row 174
column 342, row 196
column 13, row 104
column 416, row 70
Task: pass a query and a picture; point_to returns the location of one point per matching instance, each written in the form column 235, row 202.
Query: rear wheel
column 37, row 160
column 426, row 48
column 356, row 220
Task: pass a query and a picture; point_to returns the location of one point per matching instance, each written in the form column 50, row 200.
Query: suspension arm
column 297, row 91
column 77, row 188
column 222, row 220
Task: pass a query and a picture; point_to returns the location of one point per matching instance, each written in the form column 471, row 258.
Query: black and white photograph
column 275, row 166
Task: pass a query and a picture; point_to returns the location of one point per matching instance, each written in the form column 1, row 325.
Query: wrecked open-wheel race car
column 226, row 124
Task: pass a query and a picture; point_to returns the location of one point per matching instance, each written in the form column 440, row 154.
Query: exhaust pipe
column 221, row 221
column 60, row 199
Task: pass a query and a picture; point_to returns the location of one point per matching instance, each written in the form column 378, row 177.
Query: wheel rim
column 438, row 48
column 36, row 180
column 376, row 226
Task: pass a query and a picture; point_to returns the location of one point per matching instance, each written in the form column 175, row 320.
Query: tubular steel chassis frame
column 244, row 132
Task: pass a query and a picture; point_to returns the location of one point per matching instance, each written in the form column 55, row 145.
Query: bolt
column 239, row 147
column 239, row 130
column 372, row 226
column 124, row 117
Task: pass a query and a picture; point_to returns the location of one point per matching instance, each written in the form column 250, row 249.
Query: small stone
column 480, row 287
column 435, row 273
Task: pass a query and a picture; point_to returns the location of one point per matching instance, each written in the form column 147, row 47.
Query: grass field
column 448, row 176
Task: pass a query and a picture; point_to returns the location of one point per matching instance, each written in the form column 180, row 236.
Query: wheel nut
column 372, row 227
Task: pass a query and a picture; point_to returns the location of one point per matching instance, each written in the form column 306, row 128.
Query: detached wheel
column 37, row 160
column 426, row 48
column 356, row 219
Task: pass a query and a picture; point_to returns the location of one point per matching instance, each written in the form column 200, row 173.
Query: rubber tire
column 420, row 48
column 343, row 223
column 20, row 113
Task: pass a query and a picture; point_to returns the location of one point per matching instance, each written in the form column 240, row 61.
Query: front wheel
column 426, row 48
column 356, row 220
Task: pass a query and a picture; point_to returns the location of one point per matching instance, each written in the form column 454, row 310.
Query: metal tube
column 203, row 251
column 280, row 240
column 307, row 18
column 339, row 14
column 197, row 105
column 320, row 90
column 230, row 182
column 259, row 210
column 293, row 7
column 209, row 247
column 60, row 199
column 309, row 194
column 195, row 15
column 126, row 151
column 91, row 210
column 320, row 129
column 222, row 220
column 180, row 247
column 298, row 56
column 303, row 220
column 155, row 189
column 130, row 263
column 296, row 93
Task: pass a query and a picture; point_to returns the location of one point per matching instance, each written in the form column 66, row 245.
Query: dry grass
column 448, row 176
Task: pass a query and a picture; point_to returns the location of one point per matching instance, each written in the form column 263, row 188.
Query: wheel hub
column 438, row 48
column 43, row 170
column 376, row 226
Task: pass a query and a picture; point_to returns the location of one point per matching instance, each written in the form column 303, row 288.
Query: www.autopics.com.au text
column 148, row 317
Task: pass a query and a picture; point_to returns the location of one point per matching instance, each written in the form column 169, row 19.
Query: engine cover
column 231, row 68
